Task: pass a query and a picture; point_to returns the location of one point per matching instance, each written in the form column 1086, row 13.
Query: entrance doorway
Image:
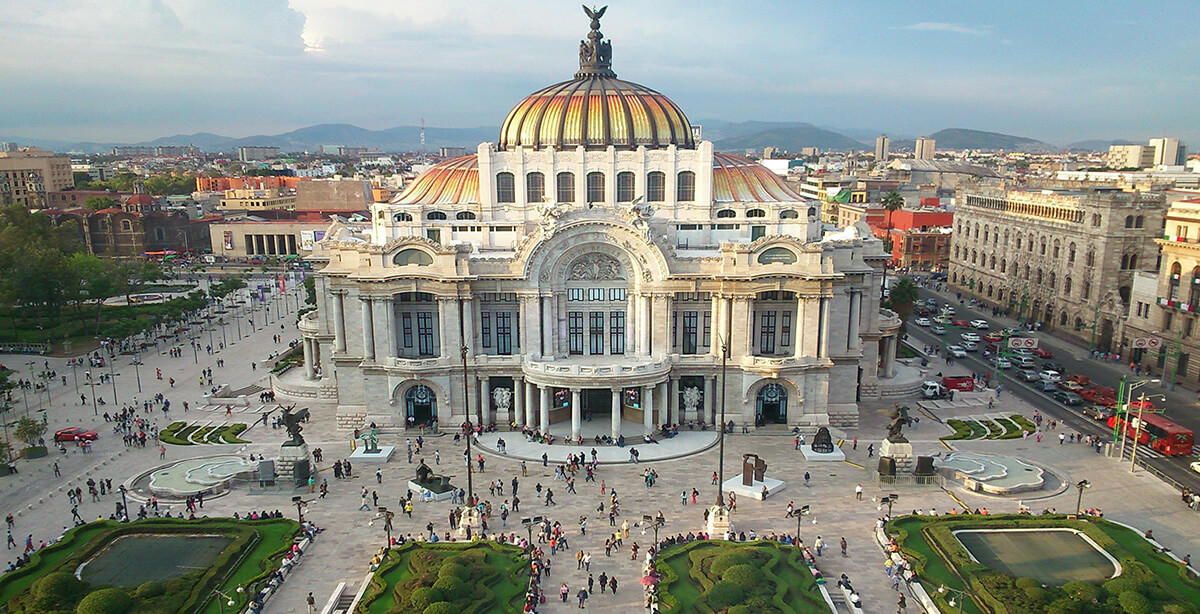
column 771, row 405
column 420, row 404
column 597, row 403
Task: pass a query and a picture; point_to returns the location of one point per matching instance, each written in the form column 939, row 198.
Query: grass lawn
column 1150, row 582
column 713, row 576
column 47, row 583
column 466, row 577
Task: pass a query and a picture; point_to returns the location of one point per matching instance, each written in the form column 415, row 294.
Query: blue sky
column 138, row 69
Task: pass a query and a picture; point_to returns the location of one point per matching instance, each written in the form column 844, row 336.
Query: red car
column 75, row 434
column 960, row 323
column 994, row 337
column 1040, row 353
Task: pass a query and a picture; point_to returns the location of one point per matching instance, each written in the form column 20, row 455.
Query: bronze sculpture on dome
column 595, row 53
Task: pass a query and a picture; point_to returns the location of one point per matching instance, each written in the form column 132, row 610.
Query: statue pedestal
column 294, row 465
column 754, row 491
column 902, row 453
column 422, row 492
column 360, row 455
column 810, row 455
column 469, row 518
column 718, row 522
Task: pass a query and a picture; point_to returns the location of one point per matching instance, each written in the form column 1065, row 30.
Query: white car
column 937, row 329
column 922, row 322
column 948, row 311
column 1022, row 352
column 970, row 346
column 956, row 351
column 980, row 324
column 970, row 337
column 1001, row 362
column 943, row 320
column 1050, row 376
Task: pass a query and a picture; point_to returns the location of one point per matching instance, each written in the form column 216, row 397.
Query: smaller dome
column 738, row 179
column 448, row 182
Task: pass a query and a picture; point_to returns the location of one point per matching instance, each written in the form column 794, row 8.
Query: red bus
column 1161, row 434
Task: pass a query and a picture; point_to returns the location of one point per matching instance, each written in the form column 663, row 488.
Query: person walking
column 858, row 491
column 842, row 543
column 603, row 582
column 312, row 603
column 582, row 595
column 612, row 585
column 807, row 477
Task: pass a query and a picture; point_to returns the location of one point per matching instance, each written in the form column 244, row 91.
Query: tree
column 98, row 203
column 892, row 201
column 29, row 431
column 902, row 297
column 225, row 286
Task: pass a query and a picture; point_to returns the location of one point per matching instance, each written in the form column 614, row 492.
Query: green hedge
column 718, row 576
column 474, row 577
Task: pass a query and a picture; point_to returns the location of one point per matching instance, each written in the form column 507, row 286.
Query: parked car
column 1070, row 386
column 956, row 351
column 1001, row 362
column 980, row 324
column 994, row 337
column 960, row 323
column 937, row 329
column 1021, row 352
column 943, row 320
column 75, row 433
column 1025, row 362
column 1050, row 376
column 1067, row 398
column 1100, row 395
column 1053, row 366
column 1045, row 386
column 1019, row 332
column 970, row 346
column 948, row 311
column 970, row 337
column 1040, row 353
column 1099, row 413
column 1080, row 379
column 922, row 322
column 933, row 390
column 1029, row 375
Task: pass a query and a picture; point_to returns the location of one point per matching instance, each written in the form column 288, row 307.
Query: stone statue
column 691, row 398
column 900, row 419
column 503, row 399
column 370, row 440
column 424, row 473
column 754, row 469
column 291, row 421
column 822, row 441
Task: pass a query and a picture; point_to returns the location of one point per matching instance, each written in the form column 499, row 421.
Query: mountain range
column 726, row 136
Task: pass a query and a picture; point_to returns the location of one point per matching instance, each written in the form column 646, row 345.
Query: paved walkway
column 683, row 444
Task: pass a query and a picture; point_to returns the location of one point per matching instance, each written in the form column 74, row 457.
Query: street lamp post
column 1137, row 430
column 387, row 516
column 888, row 500
column 529, row 523
column 1120, row 429
column 1080, row 485
column 300, row 505
column 4, row 419
column 463, row 350
column 137, row 362
column 962, row 596
column 721, row 428
column 800, row 514
column 654, row 522
column 229, row 601
column 124, row 502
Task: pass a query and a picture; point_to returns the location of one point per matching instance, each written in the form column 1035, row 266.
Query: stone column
column 648, row 409
column 742, row 328
column 386, row 307
column 368, row 330
column 339, row 322
column 547, row 326
column 530, row 338
column 823, row 328
column 545, row 418
column 889, row 358
column 661, row 333
column 530, row 405
column 450, row 340
column 616, row 413
column 852, row 340
column 468, row 324
column 800, row 343
column 632, row 334
column 484, row 394
column 645, row 327
column 518, row 402
column 310, row 369
column 710, row 398
column 672, row 409
column 576, row 412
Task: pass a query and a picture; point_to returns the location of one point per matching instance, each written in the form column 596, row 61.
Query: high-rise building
column 1062, row 258
column 924, row 148
column 253, row 154
column 1168, row 151
column 881, row 148
column 27, row 174
column 588, row 264
column 1130, row 156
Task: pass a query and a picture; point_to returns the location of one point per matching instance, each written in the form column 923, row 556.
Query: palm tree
column 902, row 298
column 892, row 201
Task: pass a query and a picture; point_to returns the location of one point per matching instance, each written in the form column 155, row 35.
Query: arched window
column 435, row 215
column 1062, row 318
column 989, row 290
column 1129, row 221
column 416, row 257
column 1133, row 261
column 1055, row 252
column 1027, row 270
column 566, row 187
column 812, row 212
column 535, row 187
column 464, row 215
column 685, row 189
column 976, row 231
column 1087, row 290
column 1029, row 244
column 1053, row 279
column 1139, row 221
column 1071, row 253
column 126, row 225
column 506, row 189
column 1038, row 277
column 788, row 214
column 160, row 234
column 1067, row 285
column 401, row 217
column 974, row 256
column 756, row 213
column 595, row 187
column 1194, row 294
column 986, row 229
column 625, row 181
column 992, row 263
column 656, row 187
column 1003, row 265
column 726, row 213
column 1090, row 258
column 1018, row 241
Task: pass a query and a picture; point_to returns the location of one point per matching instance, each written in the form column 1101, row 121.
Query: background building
column 1064, row 259
column 919, row 239
column 925, row 148
column 253, row 154
column 881, row 149
column 27, row 174
column 1130, row 156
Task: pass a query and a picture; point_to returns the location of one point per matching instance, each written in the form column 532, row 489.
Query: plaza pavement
column 346, row 545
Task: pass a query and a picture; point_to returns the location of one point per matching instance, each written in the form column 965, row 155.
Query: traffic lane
column 1175, row 467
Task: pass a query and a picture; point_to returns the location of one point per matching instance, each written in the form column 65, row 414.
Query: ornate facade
column 603, row 269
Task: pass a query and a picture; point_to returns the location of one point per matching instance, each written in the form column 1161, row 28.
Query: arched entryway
column 771, row 404
column 420, row 404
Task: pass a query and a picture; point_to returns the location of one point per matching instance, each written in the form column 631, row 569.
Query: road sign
column 1153, row 343
column 1022, row 342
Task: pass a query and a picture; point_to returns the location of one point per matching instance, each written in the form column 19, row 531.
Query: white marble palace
column 594, row 264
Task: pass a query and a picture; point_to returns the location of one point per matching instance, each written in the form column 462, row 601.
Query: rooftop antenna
column 422, row 135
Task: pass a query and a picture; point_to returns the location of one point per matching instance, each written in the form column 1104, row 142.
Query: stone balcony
column 596, row 371
column 889, row 322
column 308, row 324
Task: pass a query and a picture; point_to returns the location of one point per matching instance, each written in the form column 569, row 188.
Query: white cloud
column 940, row 26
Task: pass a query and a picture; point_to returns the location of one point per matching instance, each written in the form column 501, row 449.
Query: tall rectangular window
column 690, row 321
column 575, row 294
column 595, row 294
column 566, row 187
column 504, row 333
column 406, row 326
column 707, row 341
column 625, row 187
column 785, row 329
column 685, row 188
column 674, row 329
column 616, row 332
column 535, row 187
column 656, row 187
column 575, row 332
column 595, row 187
column 596, row 332
column 425, row 333
column 506, row 189
column 485, row 328
column 766, row 330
